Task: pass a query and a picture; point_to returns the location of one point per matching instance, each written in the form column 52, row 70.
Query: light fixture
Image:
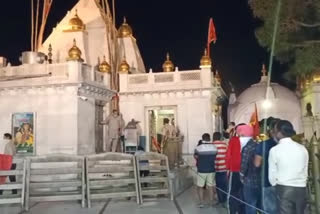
column 266, row 104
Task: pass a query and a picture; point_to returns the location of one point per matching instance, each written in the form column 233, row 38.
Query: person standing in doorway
column 221, row 168
column 205, row 154
column 288, row 170
column 169, row 143
column 261, row 160
column 115, row 126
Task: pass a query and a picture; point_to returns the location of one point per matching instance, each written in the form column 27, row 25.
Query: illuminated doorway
column 154, row 124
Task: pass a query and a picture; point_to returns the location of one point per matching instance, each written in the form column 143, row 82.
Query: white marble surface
column 63, row 103
column 283, row 104
column 190, row 93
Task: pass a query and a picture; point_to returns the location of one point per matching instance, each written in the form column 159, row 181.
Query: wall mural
column 24, row 133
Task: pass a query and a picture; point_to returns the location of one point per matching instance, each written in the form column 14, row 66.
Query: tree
column 297, row 41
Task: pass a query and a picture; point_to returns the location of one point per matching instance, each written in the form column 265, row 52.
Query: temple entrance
column 154, row 125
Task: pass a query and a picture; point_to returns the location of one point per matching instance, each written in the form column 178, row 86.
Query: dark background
column 174, row 26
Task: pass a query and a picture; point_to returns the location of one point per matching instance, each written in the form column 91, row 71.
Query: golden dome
column 76, row 24
column 205, row 59
column 104, row 66
column 74, row 53
column 124, row 30
column 124, row 67
column 167, row 65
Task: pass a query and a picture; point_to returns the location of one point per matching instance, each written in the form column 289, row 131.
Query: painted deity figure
column 115, row 125
column 24, row 135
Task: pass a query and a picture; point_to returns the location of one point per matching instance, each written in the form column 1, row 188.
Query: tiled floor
column 187, row 202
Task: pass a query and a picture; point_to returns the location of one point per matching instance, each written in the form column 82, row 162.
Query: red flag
column 254, row 122
column 212, row 37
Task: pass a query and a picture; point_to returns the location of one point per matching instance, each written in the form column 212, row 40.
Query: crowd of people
column 252, row 177
column 239, row 173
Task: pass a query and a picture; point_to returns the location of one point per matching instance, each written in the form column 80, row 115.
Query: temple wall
column 55, row 116
column 193, row 113
column 62, row 96
column 192, row 94
column 86, row 126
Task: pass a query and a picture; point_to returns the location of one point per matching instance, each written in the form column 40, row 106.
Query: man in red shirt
column 221, row 168
column 233, row 166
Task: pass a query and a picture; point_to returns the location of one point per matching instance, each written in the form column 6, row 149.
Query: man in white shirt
column 288, row 170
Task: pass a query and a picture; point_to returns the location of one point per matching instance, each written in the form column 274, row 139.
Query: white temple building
column 188, row 97
column 282, row 103
column 69, row 90
column 65, row 98
column 85, row 24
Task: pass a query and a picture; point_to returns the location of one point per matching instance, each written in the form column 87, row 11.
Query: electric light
column 266, row 104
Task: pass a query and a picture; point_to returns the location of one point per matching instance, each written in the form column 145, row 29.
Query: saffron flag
column 212, row 37
column 254, row 122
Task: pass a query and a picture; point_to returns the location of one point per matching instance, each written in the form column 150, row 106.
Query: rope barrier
column 228, row 193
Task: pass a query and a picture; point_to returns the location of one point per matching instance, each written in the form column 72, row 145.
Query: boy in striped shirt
column 221, row 168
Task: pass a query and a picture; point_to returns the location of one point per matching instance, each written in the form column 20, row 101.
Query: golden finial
column 124, row 30
column 74, row 53
column 50, row 54
column 124, row 67
column 264, row 70
column 104, row 66
column 75, row 24
column 167, row 65
column 205, row 59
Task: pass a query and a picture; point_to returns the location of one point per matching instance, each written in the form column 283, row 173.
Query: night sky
column 178, row 27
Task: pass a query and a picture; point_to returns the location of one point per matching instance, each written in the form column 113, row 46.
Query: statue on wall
column 115, row 125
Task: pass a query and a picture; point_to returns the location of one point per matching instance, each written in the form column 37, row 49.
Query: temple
column 271, row 101
column 85, row 24
column 68, row 86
